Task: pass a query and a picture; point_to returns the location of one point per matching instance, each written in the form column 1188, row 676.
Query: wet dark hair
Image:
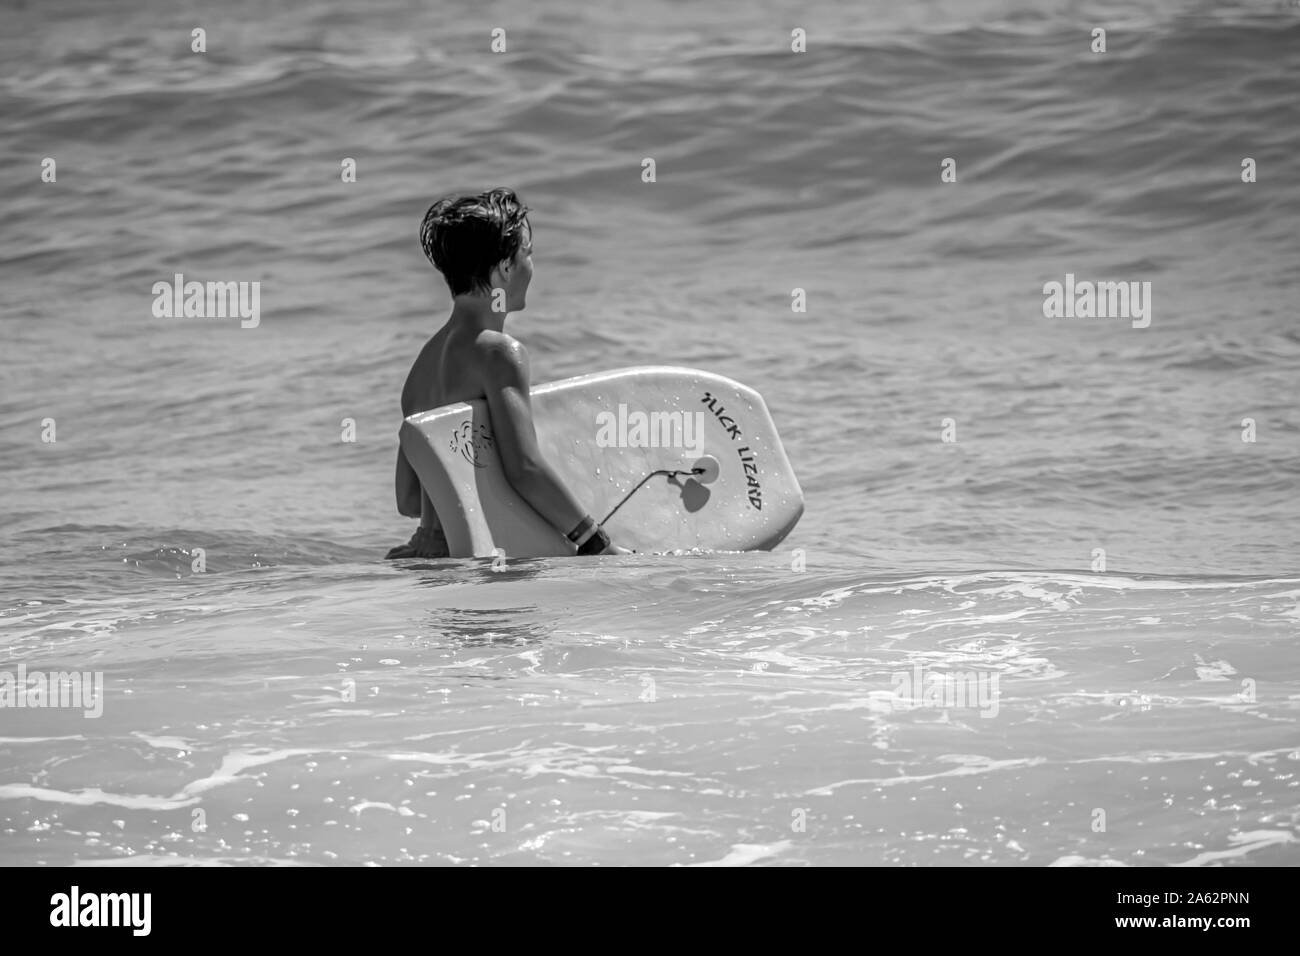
column 467, row 236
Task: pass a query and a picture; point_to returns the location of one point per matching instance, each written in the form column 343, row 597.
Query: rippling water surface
column 1100, row 552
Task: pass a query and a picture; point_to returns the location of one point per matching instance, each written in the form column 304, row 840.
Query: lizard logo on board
column 470, row 441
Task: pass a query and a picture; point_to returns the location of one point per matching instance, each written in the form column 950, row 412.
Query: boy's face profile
column 515, row 274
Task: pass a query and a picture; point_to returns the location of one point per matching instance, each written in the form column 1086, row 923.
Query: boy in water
column 483, row 247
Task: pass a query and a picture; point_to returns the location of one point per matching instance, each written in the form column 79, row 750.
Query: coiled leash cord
column 669, row 472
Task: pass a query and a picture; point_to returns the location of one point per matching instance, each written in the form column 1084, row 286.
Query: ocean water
column 1101, row 562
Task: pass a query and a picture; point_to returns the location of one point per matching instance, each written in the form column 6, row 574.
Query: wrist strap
column 597, row 543
column 580, row 532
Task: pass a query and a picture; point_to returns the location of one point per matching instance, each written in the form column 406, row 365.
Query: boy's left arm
column 407, row 487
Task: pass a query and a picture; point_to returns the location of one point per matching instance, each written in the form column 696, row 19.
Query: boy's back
column 450, row 368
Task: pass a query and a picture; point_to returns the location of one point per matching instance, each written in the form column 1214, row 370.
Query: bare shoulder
column 500, row 345
column 503, row 356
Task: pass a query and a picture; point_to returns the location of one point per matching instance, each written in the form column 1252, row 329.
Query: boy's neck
column 475, row 312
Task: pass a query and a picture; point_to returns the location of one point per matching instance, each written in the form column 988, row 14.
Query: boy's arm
column 407, row 486
column 508, row 397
